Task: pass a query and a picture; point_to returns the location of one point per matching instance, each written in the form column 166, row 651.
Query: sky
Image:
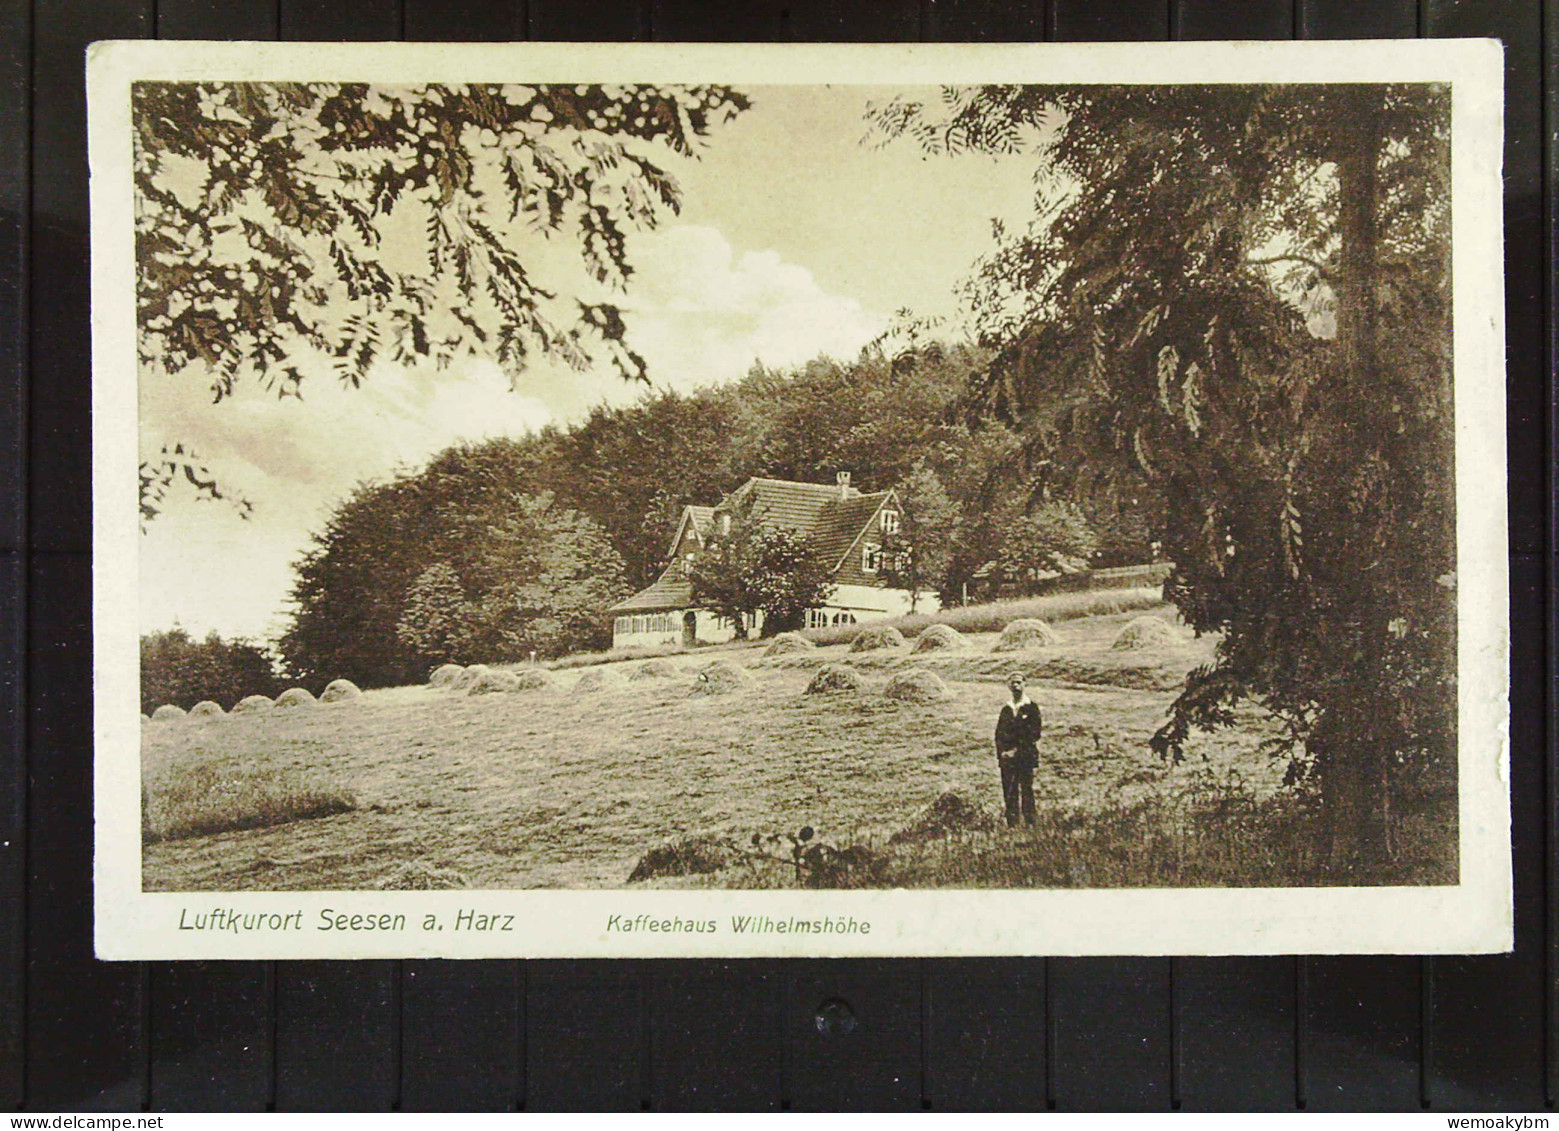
column 795, row 239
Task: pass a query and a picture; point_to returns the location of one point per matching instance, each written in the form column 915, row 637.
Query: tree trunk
column 1354, row 751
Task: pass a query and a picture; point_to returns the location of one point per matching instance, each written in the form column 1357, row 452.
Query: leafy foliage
column 753, row 568
column 176, row 668
column 265, row 214
column 1240, row 295
column 917, row 555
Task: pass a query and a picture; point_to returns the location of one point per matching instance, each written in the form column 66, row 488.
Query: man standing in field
column 1018, row 729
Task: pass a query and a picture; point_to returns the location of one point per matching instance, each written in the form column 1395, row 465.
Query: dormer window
column 871, row 558
column 725, row 524
column 890, row 522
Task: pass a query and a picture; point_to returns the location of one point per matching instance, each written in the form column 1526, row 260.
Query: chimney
column 843, row 479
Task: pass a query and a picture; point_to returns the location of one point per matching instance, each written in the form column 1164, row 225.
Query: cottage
column 846, row 528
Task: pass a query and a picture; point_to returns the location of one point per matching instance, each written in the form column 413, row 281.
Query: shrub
column 465, row 677
column 493, row 682
column 875, row 636
column 835, row 677
column 415, row 875
column 721, row 678
column 445, row 675
column 599, row 679
column 1024, row 633
column 203, row 800
column 940, row 638
column 177, row 669
column 1145, row 632
column 916, row 686
column 295, row 697
column 654, row 669
column 950, row 813
column 339, row 691
column 992, row 617
column 685, row 856
column 787, row 642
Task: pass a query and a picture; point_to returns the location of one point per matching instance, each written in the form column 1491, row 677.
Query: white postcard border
column 1473, row 916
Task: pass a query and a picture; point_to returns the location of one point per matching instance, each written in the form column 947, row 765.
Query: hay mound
column 534, row 679
column 599, row 679
column 489, row 683
column 1025, row 633
column 835, row 677
column 686, row 856
column 167, row 712
column 445, row 675
column 415, row 875
column 1145, row 632
column 949, row 813
column 916, row 686
column 295, row 697
column 339, row 691
column 877, row 636
column 721, row 678
column 206, row 709
column 940, row 638
column 249, row 704
column 464, row 678
column 654, row 669
column 787, row 642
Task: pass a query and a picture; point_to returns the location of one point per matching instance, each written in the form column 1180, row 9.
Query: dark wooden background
column 1323, row 1033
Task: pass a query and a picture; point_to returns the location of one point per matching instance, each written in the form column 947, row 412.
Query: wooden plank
column 337, row 1036
column 716, row 1037
column 608, row 20
column 1219, row 19
column 1361, row 1047
column 368, row 20
column 13, row 829
column 216, row 19
column 853, row 1030
column 210, row 1031
column 461, row 1031
column 585, row 1037
column 84, row 1040
column 15, row 202
column 1349, row 19
column 779, row 21
column 1234, row 1034
column 472, row 21
column 1110, row 1034
column 986, row 1030
column 985, row 21
column 59, row 494
column 1084, row 21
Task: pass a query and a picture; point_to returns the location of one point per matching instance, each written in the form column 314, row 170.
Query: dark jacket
column 1019, row 730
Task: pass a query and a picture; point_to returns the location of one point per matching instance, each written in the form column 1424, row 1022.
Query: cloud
column 701, row 314
column 698, row 311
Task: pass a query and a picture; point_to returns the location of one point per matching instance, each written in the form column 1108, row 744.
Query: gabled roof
column 671, row 590
column 832, row 519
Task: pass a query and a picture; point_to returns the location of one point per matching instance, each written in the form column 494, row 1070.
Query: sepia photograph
column 867, row 482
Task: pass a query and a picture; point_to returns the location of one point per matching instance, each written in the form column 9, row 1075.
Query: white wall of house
column 658, row 630
column 856, row 604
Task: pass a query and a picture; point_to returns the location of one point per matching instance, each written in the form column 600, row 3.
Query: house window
column 890, row 522
column 844, row 618
column 871, row 558
column 817, row 618
column 725, row 524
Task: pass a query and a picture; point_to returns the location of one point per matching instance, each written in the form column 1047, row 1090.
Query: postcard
column 798, row 500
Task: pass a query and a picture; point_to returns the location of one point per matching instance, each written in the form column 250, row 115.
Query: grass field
column 550, row 788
